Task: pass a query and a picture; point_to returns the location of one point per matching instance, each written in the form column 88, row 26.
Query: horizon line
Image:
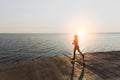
column 53, row 33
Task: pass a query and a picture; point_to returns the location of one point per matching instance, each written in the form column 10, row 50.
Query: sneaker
column 73, row 58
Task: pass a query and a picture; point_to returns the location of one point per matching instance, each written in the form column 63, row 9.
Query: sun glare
column 82, row 33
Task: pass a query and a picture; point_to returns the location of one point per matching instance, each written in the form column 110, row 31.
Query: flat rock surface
column 95, row 66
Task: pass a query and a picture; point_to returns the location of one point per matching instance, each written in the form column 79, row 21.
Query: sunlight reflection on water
column 29, row 46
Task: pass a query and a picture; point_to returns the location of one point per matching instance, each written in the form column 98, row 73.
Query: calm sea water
column 18, row 47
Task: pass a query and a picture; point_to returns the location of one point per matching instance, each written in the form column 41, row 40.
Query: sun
column 82, row 33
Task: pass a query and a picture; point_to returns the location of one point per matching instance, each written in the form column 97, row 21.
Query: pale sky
column 59, row 16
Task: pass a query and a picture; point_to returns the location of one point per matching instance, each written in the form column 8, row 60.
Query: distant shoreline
column 67, row 33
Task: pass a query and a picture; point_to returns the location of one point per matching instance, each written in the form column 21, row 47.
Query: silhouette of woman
column 76, row 46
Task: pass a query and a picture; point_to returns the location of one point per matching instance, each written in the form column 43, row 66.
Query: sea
column 23, row 46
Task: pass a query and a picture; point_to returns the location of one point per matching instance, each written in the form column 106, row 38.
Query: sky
column 59, row 16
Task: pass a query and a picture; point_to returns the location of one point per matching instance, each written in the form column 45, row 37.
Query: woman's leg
column 81, row 53
column 74, row 53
